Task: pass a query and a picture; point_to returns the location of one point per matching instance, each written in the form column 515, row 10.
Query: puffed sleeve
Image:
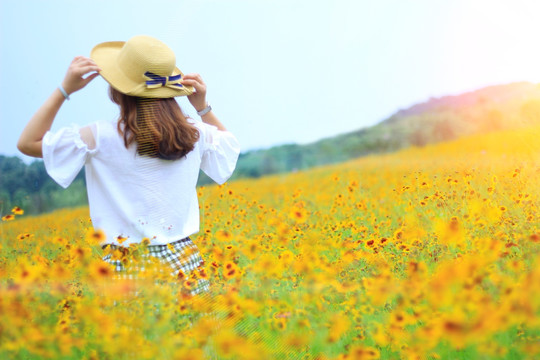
column 64, row 154
column 220, row 153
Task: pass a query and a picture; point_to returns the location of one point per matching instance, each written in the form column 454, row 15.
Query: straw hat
column 143, row 66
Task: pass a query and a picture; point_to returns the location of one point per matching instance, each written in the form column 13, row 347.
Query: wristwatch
column 204, row 111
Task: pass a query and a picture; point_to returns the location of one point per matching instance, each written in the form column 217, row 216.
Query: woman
column 141, row 171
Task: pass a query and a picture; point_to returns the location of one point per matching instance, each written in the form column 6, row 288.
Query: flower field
column 428, row 253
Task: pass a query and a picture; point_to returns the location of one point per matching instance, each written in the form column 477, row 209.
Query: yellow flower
column 297, row 340
column 298, row 213
column 339, row 324
column 121, row 239
column 358, row 352
column 230, row 270
column 59, row 272
column 189, row 354
column 223, row 235
column 23, row 236
column 80, row 253
column 181, row 275
column 95, row 237
column 228, row 344
column 189, row 284
column 200, row 273
column 26, row 273
column 99, row 270
column 17, row 211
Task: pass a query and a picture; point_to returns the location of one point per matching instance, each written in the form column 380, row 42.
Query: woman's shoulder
column 106, row 133
column 105, row 128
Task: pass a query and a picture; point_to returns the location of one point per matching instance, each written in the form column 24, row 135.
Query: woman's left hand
column 198, row 98
column 79, row 67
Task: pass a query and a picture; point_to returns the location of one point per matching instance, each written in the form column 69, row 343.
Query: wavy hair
column 158, row 126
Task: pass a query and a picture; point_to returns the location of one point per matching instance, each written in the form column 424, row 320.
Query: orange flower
column 8, row 217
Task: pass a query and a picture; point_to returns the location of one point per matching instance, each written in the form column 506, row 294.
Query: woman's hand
column 79, row 67
column 198, row 98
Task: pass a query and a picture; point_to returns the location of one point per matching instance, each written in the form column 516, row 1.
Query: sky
column 277, row 71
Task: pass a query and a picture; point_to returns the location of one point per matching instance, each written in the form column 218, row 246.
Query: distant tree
column 12, row 171
column 269, row 164
column 31, row 188
column 36, row 176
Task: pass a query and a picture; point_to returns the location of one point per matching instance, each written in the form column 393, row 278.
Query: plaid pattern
column 182, row 258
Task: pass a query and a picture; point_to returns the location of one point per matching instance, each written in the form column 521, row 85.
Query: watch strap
column 204, row 111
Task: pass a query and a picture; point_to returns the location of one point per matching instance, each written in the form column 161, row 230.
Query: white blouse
column 137, row 197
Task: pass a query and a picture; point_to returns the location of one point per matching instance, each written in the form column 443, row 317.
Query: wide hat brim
column 105, row 55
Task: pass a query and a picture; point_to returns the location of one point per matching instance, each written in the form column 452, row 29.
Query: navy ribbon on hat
column 156, row 81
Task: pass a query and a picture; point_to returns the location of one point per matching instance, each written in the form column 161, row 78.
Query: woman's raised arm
column 30, row 141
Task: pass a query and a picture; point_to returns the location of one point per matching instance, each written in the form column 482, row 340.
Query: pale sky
column 278, row 71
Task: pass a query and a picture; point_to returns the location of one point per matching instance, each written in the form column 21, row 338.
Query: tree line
column 30, row 187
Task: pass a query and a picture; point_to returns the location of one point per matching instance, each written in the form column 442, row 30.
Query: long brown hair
column 158, row 126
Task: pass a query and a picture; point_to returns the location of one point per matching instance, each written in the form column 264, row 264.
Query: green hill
column 435, row 120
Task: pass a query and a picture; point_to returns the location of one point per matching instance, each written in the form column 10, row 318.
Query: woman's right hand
column 198, row 98
column 80, row 66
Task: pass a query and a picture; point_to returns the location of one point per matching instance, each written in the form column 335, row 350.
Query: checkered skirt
column 181, row 259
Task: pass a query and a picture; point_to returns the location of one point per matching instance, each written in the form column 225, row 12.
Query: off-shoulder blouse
column 136, row 197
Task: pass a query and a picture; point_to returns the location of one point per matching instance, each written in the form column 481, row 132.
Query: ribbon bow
column 156, row 81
